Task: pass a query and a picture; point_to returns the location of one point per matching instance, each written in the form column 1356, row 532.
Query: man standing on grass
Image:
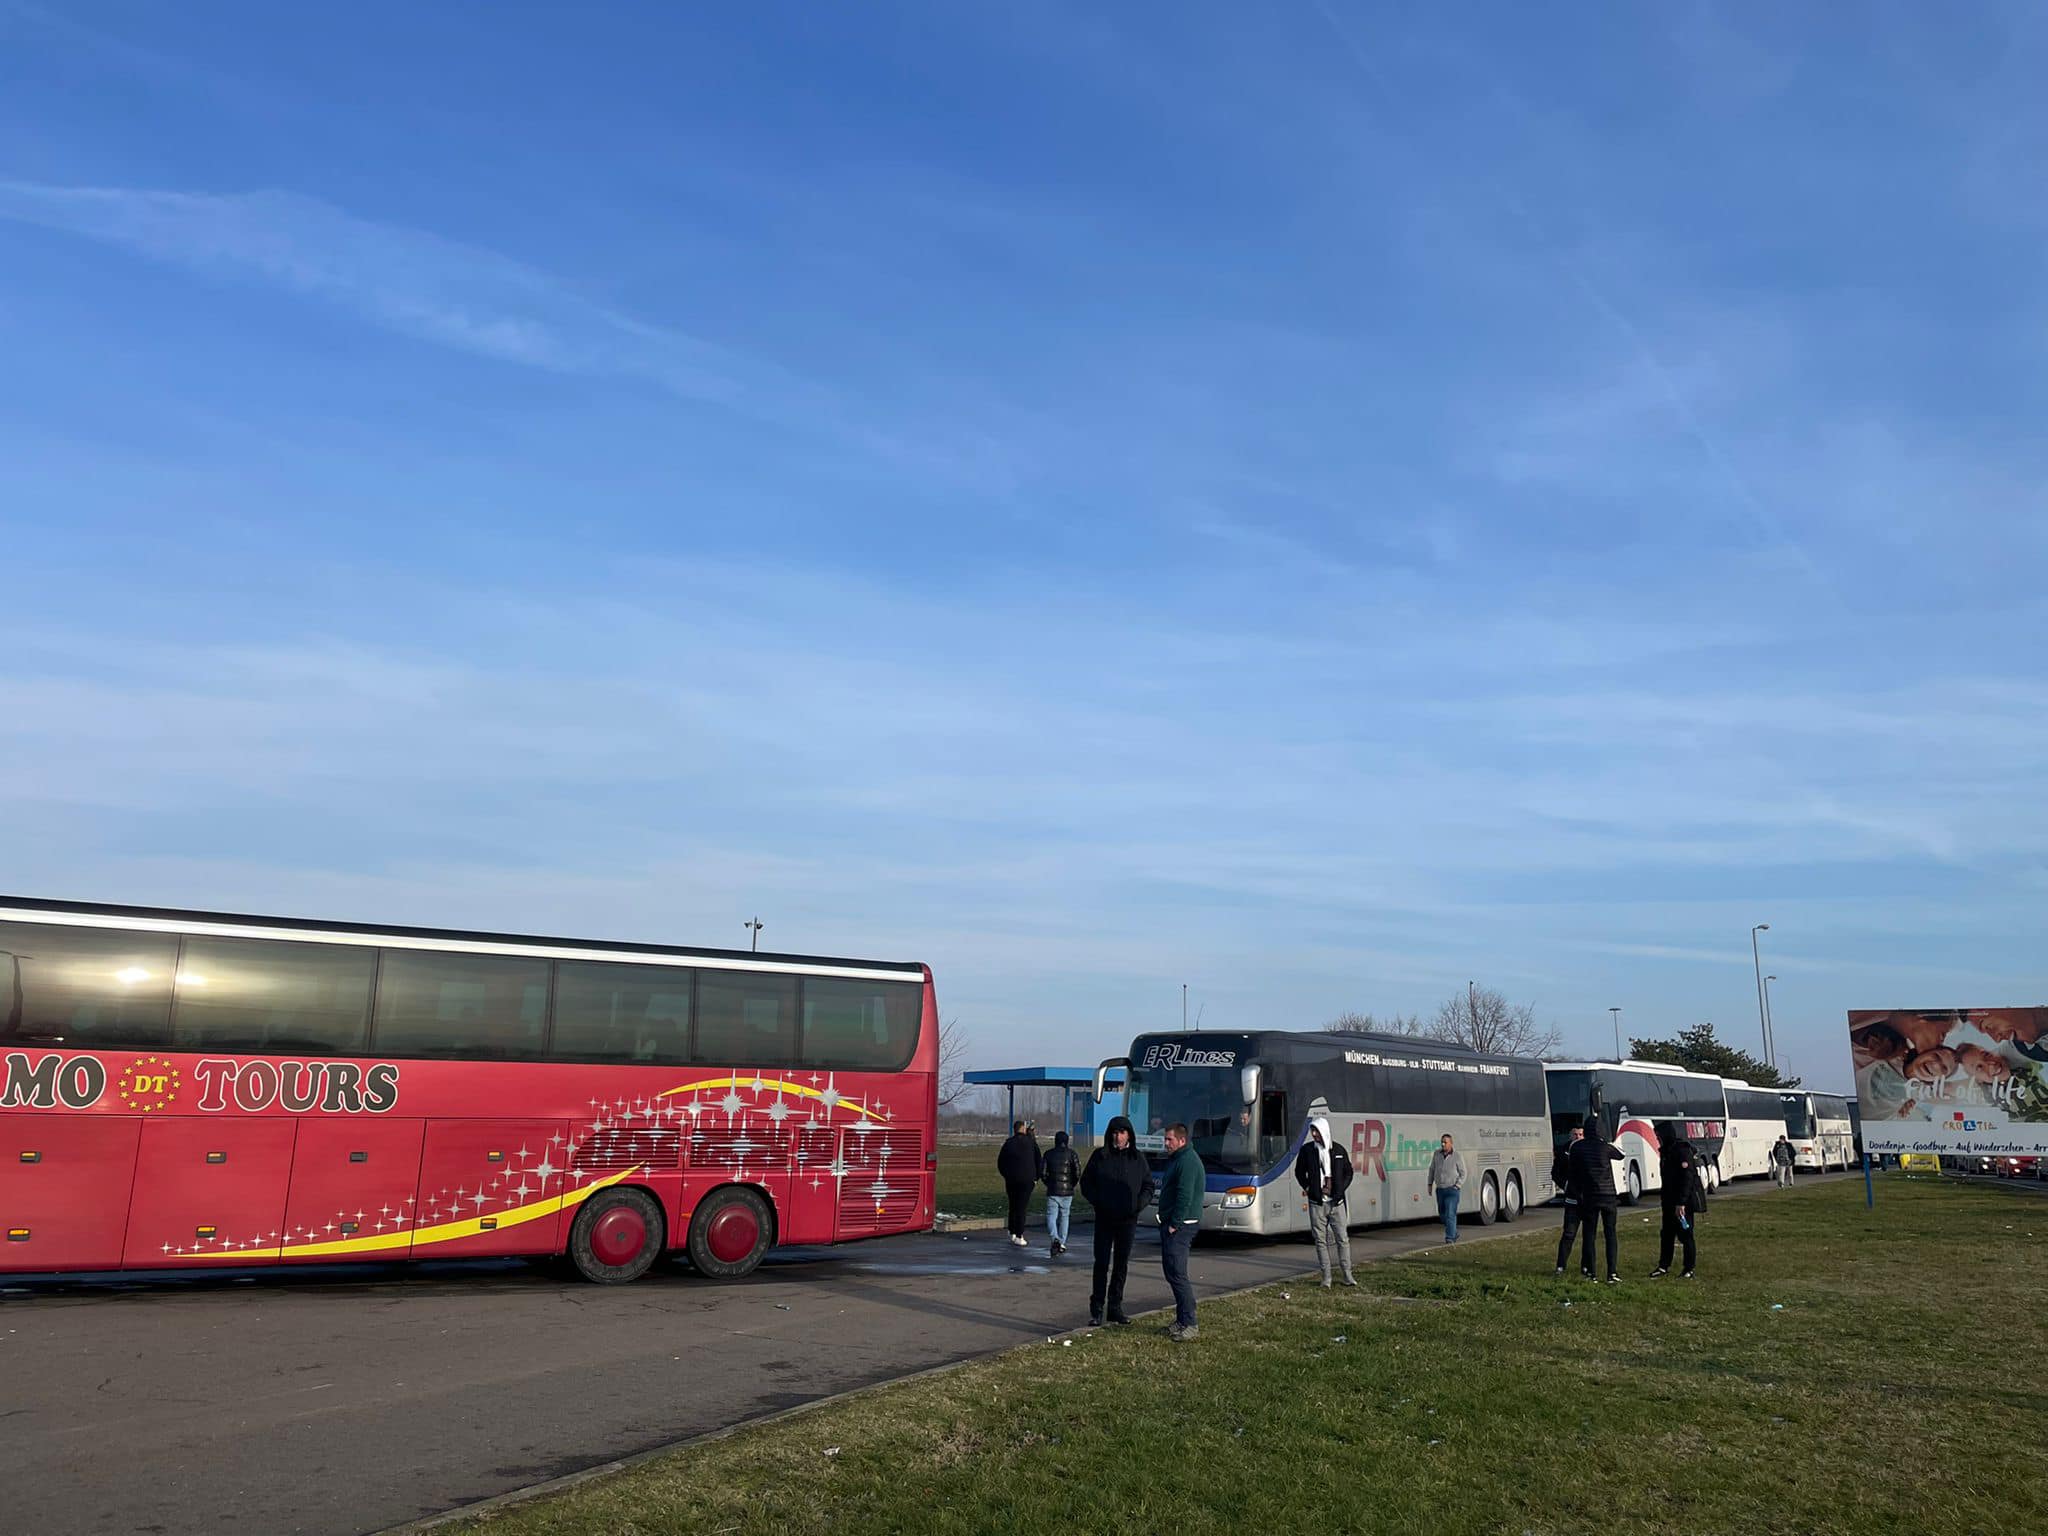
column 1561, row 1176
column 1323, row 1170
column 1062, row 1173
column 1592, row 1176
column 1117, row 1184
column 1683, row 1196
column 1180, row 1213
column 1447, row 1177
column 1782, row 1159
column 1019, row 1163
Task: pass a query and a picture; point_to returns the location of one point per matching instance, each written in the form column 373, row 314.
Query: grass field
column 1465, row 1391
column 968, row 1185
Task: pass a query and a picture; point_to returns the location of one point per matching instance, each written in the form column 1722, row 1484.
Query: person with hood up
column 1683, row 1197
column 1020, row 1164
column 1062, row 1173
column 1180, row 1216
column 1592, row 1177
column 1561, row 1176
column 1118, row 1183
column 1323, row 1170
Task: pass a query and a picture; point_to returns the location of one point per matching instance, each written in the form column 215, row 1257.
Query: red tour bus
column 187, row 1090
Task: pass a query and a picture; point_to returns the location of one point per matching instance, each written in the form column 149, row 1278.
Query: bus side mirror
column 1102, row 1071
column 1248, row 1080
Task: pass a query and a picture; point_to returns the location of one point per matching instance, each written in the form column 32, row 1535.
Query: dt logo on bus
column 149, row 1084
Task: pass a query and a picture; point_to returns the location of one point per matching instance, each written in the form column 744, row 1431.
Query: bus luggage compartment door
column 64, row 1189
column 211, row 1189
column 353, row 1182
column 483, row 1184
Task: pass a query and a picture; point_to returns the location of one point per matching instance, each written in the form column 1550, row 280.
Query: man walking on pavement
column 1180, row 1213
column 1020, row 1164
column 1323, row 1170
column 1782, row 1158
column 1447, row 1177
column 1062, row 1173
column 1118, row 1184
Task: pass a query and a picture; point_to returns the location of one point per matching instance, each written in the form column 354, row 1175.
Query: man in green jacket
column 1180, row 1213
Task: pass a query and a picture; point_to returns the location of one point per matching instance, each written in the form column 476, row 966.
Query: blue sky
column 1316, row 502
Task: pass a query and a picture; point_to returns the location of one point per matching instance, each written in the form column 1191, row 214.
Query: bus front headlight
column 1238, row 1199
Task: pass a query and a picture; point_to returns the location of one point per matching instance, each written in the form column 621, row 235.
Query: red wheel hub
column 618, row 1235
column 732, row 1234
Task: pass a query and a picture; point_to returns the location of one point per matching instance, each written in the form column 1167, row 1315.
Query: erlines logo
column 1167, row 1057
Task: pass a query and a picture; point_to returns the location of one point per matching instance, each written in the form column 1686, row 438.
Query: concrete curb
column 572, row 1480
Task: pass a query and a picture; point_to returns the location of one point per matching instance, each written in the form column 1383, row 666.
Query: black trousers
column 1020, row 1202
column 1112, row 1259
column 1672, row 1231
column 1601, row 1216
column 1572, row 1213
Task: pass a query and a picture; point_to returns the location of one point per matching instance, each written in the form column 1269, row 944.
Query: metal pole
column 1869, row 1188
column 1770, row 1023
column 1617, row 1034
column 1763, row 1022
column 1183, row 1007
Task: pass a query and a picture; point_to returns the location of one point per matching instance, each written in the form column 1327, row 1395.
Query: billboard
column 1952, row 1079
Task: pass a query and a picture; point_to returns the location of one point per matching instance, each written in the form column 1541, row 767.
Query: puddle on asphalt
column 872, row 1267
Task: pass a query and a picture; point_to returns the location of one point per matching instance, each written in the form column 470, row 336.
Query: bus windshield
column 1571, row 1096
column 1798, row 1116
column 1208, row 1100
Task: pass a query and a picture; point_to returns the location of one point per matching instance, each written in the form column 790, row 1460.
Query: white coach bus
column 1756, row 1119
column 1639, row 1103
column 1817, row 1124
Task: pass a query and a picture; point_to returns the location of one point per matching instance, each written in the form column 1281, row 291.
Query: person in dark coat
column 1020, row 1165
column 1561, row 1176
column 1591, row 1174
column 1062, row 1177
column 1683, row 1197
column 1323, row 1170
column 1117, row 1183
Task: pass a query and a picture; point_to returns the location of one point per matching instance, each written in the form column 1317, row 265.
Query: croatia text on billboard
column 1952, row 1079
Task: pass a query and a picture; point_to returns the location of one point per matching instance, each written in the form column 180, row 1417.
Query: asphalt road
column 353, row 1401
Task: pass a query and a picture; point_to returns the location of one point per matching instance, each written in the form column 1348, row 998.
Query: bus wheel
column 731, row 1233
column 1489, row 1201
column 617, row 1236
column 1511, row 1198
column 1633, row 1194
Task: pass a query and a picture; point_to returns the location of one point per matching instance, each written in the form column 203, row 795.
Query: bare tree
column 1483, row 1019
column 952, row 1062
column 1352, row 1022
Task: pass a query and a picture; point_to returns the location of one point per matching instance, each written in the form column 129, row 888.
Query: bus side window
column 1274, row 1130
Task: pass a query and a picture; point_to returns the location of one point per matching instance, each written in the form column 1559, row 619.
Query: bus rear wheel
column 1511, row 1198
column 1489, row 1201
column 731, row 1233
column 617, row 1236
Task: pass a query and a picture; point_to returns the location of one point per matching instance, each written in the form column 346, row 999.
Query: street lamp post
column 756, row 925
column 1770, row 1022
column 1762, row 1017
column 1616, row 1014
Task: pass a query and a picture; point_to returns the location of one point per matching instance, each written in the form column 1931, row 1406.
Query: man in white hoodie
column 1323, row 1170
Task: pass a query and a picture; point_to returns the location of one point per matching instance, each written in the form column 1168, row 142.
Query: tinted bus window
column 258, row 995
column 746, row 1020
column 621, row 1012
column 85, row 987
column 432, row 1003
column 855, row 1025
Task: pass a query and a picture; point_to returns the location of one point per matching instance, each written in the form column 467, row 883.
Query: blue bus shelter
column 1079, row 1113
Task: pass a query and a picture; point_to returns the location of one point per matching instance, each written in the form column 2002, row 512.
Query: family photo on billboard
column 1952, row 1079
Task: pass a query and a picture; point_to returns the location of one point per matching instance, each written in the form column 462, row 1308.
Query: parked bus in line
column 1247, row 1099
column 1817, row 1125
column 186, row 1090
column 1756, row 1119
column 1638, row 1101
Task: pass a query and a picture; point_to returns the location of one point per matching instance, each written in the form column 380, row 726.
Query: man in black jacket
column 1118, row 1183
column 1561, row 1176
column 1683, row 1197
column 1062, row 1175
column 1019, row 1163
column 1591, row 1163
column 1323, row 1170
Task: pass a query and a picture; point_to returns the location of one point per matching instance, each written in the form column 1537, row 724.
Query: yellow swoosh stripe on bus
column 782, row 1085
column 443, row 1232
